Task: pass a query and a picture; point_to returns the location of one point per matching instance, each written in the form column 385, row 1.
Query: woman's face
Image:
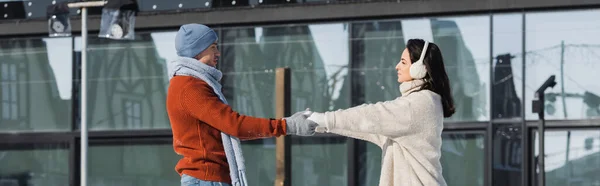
column 403, row 67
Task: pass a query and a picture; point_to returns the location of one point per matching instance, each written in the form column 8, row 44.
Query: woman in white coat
column 408, row 129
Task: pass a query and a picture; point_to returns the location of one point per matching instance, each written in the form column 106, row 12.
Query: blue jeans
column 191, row 181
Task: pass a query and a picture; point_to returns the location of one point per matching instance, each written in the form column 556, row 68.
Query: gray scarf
column 184, row 66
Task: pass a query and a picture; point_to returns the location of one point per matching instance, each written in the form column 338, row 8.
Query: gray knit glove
column 298, row 124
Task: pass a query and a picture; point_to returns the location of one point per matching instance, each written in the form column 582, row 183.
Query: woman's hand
column 321, row 120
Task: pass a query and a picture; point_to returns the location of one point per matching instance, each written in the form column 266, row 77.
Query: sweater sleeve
column 390, row 118
column 203, row 104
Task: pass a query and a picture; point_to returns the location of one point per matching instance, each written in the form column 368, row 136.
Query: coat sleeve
column 321, row 119
column 391, row 118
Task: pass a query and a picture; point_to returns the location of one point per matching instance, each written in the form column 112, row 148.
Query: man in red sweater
column 201, row 119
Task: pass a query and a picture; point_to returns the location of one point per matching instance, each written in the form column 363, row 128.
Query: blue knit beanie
column 192, row 39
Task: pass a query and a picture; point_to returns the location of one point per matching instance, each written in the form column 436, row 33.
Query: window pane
column 507, row 154
column 13, row 111
column 250, row 93
column 319, row 161
column 36, row 91
column 135, row 71
column 5, row 111
column 464, row 41
column 377, row 49
column 260, row 161
column 572, row 157
column 318, row 58
column 372, row 166
column 133, row 164
column 462, row 160
column 507, row 66
column 12, row 72
column 4, row 69
column 40, row 164
column 465, row 45
column 5, row 93
column 564, row 44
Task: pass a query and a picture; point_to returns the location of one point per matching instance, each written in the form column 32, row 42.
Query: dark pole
column 525, row 142
column 538, row 107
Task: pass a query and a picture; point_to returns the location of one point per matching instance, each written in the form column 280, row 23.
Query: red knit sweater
column 198, row 117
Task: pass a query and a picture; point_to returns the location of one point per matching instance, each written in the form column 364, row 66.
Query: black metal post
column 525, row 137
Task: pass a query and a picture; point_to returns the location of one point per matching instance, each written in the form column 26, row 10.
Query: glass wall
column 35, row 84
column 250, row 94
column 128, row 81
column 34, row 164
column 463, row 158
column 572, row 157
column 507, row 103
column 318, row 58
column 465, row 44
column 564, row 44
column 376, row 49
column 495, row 62
column 129, row 163
column 507, row 67
column 507, row 157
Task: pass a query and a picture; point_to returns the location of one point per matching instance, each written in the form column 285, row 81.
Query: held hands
column 298, row 124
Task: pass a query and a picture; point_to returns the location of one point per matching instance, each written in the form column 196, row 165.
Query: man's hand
column 298, row 124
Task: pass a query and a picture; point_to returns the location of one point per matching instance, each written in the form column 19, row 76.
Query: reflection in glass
column 127, row 83
column 129, row 164
column 465, row 43
column 463, row 158
column 318, row 58
column 507, row 154
column 42, row 164
column 377, row 49
column 507, row 66
column 564, row 44
column 260, row 161
column 248, row 84
column 572, row 157
column 35, row 84
column 320, row 161
column 372, row 165
column 249, row 93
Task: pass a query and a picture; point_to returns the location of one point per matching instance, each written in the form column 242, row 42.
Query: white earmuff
column 418, row 69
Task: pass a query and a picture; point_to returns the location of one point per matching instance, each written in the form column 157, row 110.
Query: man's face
column 210, row 56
